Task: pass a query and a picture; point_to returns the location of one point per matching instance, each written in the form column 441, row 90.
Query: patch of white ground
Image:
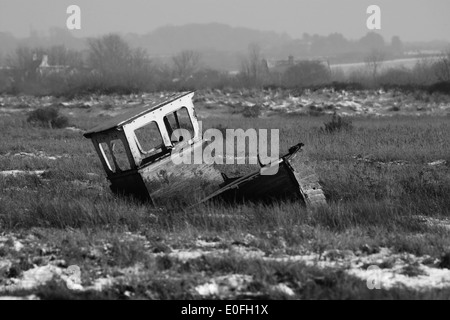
column 30, row 297
column 230, row 285
column 38, row 154
column 225, row 285
column 433, row 222
column 40, row 275
column 385, row 267
column 37, row 276
column 15, row 173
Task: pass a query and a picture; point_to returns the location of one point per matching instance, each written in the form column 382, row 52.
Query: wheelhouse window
column 179, row 126
column 149, row 139
column 115, row 155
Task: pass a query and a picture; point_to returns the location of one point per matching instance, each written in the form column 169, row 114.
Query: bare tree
column 112, row 56
column 423, row 71
column 60, row 55
column 374, row 61
column 25, row 60
column 118, row 64
column 306, row 73
column 397, row 45
column 254, row 66
column 109, row 54
column 442, row 67
column 186, row 63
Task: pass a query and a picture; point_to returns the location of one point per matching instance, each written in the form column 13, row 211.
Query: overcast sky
column 412, row 20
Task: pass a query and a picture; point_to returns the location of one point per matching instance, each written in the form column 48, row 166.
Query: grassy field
column 387, row 200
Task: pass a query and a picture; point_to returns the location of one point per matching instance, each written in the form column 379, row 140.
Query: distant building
column 44, row 69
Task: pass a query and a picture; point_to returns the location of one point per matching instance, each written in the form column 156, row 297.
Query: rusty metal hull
column 266, row 188
column 306, row 179
column 163, row 182
column 130, row 184
column 290, row 177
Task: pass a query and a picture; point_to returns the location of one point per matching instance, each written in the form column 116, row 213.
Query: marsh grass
column 373, row 199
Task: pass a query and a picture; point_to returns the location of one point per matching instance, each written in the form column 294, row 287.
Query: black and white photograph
column 225, row 155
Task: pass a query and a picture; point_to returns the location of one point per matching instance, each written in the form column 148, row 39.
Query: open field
column 387, row 180
column 408, row 63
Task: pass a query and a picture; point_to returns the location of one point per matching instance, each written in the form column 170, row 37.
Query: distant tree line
column 110, row 64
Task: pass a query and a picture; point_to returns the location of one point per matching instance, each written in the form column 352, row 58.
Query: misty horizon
column 47, row 33
column 412, row 21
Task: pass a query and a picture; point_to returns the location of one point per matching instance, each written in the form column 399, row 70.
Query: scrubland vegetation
column 386, row 179
column 110, row 65
column 376, row 173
